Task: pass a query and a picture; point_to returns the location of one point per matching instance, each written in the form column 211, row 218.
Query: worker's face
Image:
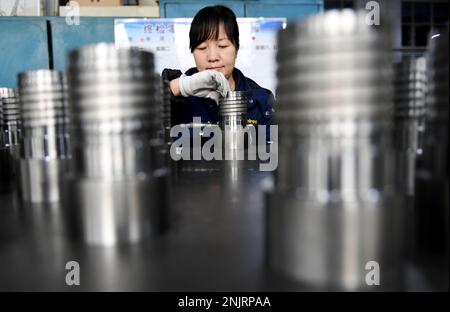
column 218, row 54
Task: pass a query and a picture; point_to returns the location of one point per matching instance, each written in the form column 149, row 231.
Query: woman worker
column 214, row 43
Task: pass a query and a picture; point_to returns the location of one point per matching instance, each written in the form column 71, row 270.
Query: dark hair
column 206, row 25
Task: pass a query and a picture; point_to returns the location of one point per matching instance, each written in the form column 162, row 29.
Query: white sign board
column 20, row 8
column 168, row 39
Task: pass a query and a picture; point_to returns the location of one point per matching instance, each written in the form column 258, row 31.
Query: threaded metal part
column 11, row 106
column 43, row 96
column 112, row 90
column 410, row 88
column 333, row 66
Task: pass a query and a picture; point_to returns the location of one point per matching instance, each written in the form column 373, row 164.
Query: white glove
column 207, row 84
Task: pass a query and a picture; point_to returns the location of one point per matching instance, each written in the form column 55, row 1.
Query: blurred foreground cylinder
column 45, row 153
column 432, row 187
column 9, row 136
column 334, row 219
column 409, row 117
column 118, row 196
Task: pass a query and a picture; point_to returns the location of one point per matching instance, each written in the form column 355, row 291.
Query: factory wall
column 30, row 43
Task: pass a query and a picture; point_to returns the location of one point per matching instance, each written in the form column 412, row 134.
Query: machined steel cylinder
column 334, row 212
column 11, row 119
column 432, row 184
column 409, row 117
column 6, row 170
column 410, row 84
column 45, row 153
column 117, row 185
column 233, row 123
column 9, row 136
column 233, row 110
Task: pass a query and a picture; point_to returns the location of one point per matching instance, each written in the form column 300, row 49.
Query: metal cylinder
column 9, row 137
column 117, row 185
column 334, row 211
column 6, row 170
column 409, row 125
column 45, row 152
column 233, row 110
column 11, row 119
column 432, row 184
column 233, row 122
column 409, row 116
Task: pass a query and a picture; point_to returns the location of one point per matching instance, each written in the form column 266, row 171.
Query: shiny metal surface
column 432, row 183
column 335, row 207
column 409, row 117
column 118, row 212
column 337, row 56
column 215, row 243
column 233, row 122
column 118, row 151
column 40, row 180
column 11, row 117
column 317, row 245
column 45, row 147
column 6, row 172
column 438, row 91
column 10, row 136
column 233, row 110
column 410, row 88
column 410, row 85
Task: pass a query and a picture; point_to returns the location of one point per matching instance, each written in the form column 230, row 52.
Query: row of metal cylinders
column 110, row 141
column 102, row 155
column 349, row 156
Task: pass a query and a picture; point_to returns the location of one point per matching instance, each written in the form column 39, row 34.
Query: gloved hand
column 207, row 83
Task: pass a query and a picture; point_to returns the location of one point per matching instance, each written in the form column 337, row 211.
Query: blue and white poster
column 168, row 39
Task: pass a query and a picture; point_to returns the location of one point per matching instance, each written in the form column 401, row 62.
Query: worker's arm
column 207, row 84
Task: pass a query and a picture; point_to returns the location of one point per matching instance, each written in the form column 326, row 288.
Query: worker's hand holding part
column 207, row 84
